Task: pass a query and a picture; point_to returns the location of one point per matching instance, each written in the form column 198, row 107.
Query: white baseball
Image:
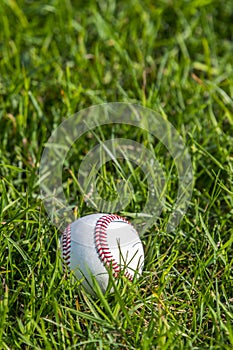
column 95, row 241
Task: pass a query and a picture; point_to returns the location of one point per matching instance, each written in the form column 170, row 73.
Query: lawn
column 173, row 58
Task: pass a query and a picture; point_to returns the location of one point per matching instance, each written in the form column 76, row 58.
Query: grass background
column 174, row 57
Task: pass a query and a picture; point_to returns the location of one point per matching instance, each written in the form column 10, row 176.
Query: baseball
column 94, row 242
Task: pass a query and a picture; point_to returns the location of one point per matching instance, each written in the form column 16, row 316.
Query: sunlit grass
column 174, row 57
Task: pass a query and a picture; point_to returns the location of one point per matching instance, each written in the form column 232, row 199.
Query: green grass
column 174, row 57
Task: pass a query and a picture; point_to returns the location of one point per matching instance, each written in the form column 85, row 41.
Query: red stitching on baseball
column 66, row 241
column 102, row 244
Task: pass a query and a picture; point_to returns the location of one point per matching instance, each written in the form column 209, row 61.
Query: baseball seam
column 103, row 250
